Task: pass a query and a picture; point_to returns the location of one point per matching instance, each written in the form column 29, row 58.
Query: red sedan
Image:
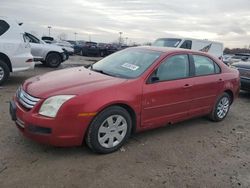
column 133, row 90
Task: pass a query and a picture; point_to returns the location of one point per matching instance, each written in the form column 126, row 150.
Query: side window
column 4, row 26
column 187, row 44
column 205, row 66
column 32, row 38
column 175, row 67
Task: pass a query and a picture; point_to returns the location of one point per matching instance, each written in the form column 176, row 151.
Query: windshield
column 173, row 43
column 129, row 63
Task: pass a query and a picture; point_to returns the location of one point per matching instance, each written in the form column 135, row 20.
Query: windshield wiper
column 106, row 73
column 91, row 66
column 101, row 71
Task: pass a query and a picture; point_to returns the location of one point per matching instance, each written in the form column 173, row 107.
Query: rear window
column 4, row 26
column 205, row 66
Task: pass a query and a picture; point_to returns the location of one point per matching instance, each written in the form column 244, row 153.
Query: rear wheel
column 221, row 108
column 53, row 60
column 109, row 130
column 4, row 72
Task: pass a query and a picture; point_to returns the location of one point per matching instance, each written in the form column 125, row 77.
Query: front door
column 166, row 98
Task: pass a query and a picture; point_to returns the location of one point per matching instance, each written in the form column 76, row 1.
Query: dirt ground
column 195, row 153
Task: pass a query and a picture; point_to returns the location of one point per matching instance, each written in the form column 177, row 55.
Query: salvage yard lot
column 195, row 153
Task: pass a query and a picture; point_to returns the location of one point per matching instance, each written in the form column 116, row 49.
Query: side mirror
column 154, row 79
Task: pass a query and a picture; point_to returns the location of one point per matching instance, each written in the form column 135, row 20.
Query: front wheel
column 53, row 60
column 109, row 130
column 221, row 108
column 4, row 72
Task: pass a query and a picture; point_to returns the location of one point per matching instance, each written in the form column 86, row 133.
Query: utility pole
column 126, row 40
column 120, row 38
column 49, row 27
column 75, row 35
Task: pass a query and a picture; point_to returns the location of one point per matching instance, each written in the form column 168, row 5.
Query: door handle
column 220, row 80
column 187, row 86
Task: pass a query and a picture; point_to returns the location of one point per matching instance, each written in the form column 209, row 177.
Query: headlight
column 51, row 105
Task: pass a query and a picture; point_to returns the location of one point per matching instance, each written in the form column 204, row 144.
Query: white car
column 49, row 54
column 15, row 52
column 68, row 47
column 65, row 45
column 238, row 57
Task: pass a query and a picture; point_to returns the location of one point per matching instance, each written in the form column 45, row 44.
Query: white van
column 213, row 48
column 15, row 51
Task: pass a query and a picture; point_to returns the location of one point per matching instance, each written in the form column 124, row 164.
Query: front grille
column 39, row 130
column 25, row 99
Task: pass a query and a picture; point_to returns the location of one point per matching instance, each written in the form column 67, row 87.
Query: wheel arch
column 50, row 52
column 231, row 94
column 6, row 59
column 128, row 108
column 131, row 113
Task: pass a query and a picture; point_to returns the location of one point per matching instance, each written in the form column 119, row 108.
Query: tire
column 100, row 132
column 4, row 72
column 102, row 54
column 81, row 53
column 53, row 60
column 221, row 108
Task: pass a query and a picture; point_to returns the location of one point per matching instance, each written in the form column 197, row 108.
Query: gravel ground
column 195, row 153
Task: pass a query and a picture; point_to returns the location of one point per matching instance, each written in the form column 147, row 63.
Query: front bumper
column 245, row 84
column 62, row 131
column 64, row 56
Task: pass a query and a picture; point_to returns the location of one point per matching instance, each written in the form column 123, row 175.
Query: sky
column 140, row 21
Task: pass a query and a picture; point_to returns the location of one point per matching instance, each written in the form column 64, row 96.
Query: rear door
column 167, row 95
column 207, row 83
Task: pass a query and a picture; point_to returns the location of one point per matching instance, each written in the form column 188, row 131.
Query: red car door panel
column 165, row 102
column 207, row 84
column 204, row 93
column 168, row 99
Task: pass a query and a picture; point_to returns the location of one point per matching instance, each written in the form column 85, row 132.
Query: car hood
column 72, row 81
column 242, row 64
column 47, row 47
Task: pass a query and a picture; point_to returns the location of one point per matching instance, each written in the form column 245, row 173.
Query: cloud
column 139, row 20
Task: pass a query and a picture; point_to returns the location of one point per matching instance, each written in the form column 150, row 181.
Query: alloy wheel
column 112, row 131
column 223, row 107
column 1, row 73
